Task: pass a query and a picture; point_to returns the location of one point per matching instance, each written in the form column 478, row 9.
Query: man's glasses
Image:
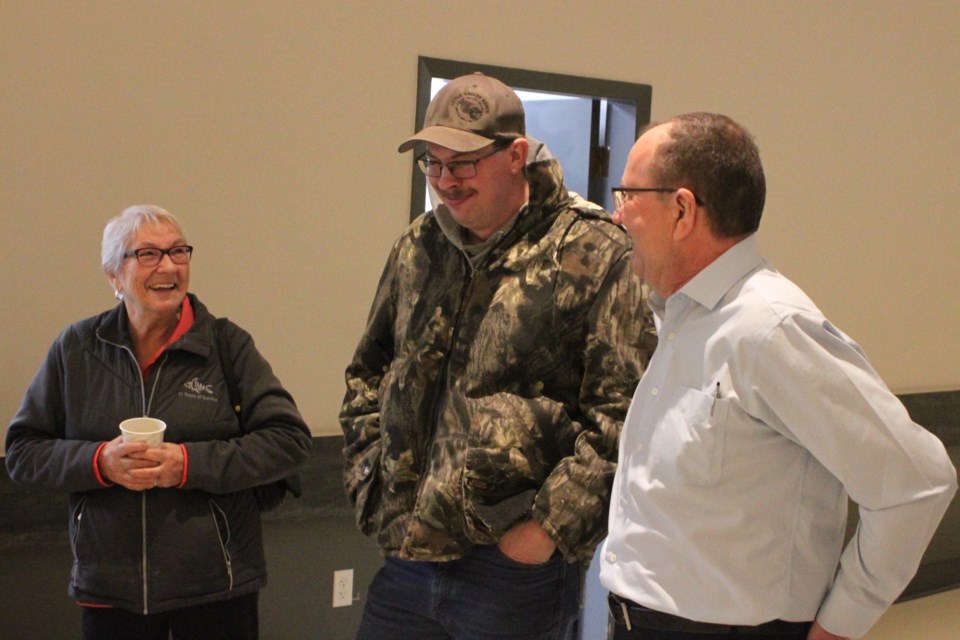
column 151, row 257
column 622, row 194
column 459, row 169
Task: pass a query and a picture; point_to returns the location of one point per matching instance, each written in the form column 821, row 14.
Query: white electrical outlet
column 343, row 588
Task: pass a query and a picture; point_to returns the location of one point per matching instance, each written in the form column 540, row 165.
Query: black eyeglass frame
column 620, row 194
column 149, row 251
column 455, row 166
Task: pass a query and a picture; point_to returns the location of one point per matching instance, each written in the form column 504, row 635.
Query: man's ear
column 688, row 213
column 517, row 152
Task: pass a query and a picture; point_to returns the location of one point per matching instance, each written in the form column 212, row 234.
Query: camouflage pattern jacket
column 483, row 394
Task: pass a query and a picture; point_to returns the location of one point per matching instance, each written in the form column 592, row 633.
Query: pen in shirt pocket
column 716, row 397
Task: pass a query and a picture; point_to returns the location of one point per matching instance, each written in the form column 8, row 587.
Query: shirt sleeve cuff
column 843, row 616
column 183, row 478
column 96, row 467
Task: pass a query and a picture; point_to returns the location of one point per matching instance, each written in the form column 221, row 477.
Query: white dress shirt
column 753, row 422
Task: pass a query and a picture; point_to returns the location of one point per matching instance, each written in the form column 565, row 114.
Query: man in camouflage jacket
column 485, row 399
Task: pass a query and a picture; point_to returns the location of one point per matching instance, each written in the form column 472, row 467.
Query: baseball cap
column 469, row 113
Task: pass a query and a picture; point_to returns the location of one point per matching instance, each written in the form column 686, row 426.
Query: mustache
column 453, row 194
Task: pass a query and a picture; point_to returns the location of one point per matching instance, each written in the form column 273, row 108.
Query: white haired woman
column 166, row 541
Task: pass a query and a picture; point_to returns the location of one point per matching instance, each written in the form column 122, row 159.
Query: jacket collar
column 114, row 327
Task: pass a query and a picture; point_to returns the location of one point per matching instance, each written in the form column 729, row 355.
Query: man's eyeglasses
column 459, row 169
column 151, row 257
column 621, row 194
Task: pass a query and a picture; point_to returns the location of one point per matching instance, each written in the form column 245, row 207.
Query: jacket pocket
column 193, row 550
column 222, row 525
column 498, row 491
column 106, row 543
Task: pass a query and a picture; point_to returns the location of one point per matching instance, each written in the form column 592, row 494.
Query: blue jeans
column 482, row 596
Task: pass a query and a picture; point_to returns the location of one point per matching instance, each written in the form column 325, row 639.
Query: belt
column 631, row 614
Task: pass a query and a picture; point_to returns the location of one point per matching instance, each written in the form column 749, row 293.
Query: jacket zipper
column 224, row 543
column 442, row 381
column 143, row 547
column 143, row 496
column 78, row 520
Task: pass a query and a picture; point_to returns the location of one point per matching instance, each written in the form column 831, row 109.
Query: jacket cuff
column 96, row 467
column 183, row 478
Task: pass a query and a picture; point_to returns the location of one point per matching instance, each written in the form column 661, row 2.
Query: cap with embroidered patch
column 469, row 113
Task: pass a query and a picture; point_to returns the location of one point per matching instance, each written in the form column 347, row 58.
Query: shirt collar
column 712, row 283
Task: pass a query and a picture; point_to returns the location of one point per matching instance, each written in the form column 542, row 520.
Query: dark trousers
column 646, row 624
column 234, row 619
column 481, row 596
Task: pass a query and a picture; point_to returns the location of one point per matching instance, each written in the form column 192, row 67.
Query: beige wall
column 934, row 617
column 271, row 128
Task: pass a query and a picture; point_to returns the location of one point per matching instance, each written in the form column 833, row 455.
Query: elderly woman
column 165, row 540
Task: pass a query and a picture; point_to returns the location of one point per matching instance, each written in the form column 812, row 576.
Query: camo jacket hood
column 482, row 395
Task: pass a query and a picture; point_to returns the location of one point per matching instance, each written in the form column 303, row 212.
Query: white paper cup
column 149, row 430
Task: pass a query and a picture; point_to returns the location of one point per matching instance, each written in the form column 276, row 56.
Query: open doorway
column 589, row 124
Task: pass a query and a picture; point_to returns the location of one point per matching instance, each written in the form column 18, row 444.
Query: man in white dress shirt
column 753, row 423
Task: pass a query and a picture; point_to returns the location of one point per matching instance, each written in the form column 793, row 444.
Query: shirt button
column 671, row 336
column 654, row 391
column 611, row 557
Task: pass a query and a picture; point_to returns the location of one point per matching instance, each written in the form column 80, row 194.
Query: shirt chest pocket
column 687, row 446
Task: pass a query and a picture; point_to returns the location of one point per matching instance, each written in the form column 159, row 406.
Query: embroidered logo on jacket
column 197, row 390
column 198, row 387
